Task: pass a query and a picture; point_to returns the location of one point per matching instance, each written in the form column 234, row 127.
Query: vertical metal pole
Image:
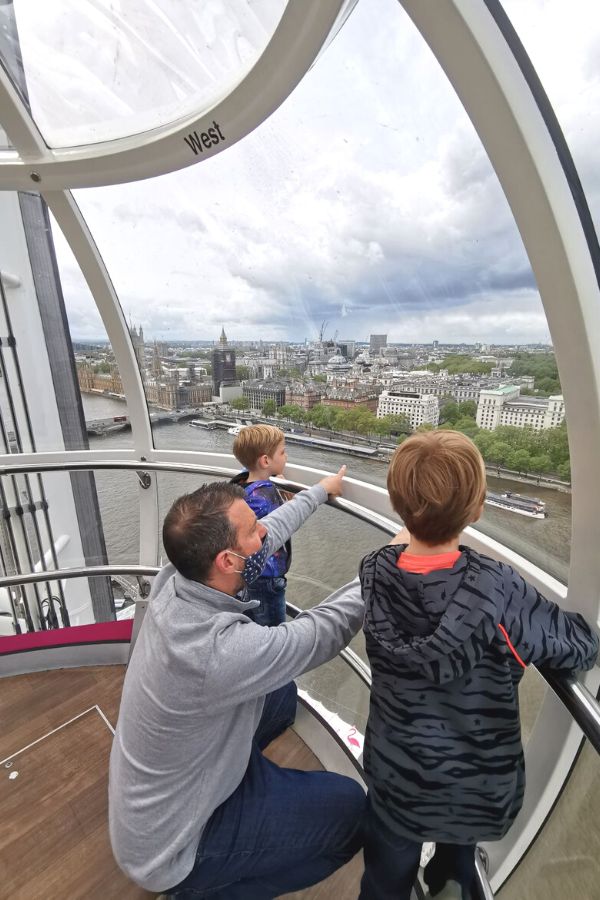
column 36, row 224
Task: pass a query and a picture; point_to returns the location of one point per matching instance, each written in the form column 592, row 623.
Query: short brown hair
column 436, row 482
column 254, row 440
column 197, row 528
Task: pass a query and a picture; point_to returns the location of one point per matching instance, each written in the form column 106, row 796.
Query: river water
column 328, row 549
column 546, row 542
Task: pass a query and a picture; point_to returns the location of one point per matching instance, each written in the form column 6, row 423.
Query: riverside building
column 506, row 406
column 258, row 392
column 419, row 409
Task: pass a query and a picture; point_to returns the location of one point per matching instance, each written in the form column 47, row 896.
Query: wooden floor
column 55, row 738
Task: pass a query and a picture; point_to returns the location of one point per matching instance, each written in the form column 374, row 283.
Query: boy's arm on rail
column 543, row 633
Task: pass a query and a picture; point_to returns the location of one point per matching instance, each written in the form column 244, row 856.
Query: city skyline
column 364, row 343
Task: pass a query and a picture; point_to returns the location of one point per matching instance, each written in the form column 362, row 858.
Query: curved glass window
column 562, row 41
column 566, row 851
column 356, row 243
column 96, row 71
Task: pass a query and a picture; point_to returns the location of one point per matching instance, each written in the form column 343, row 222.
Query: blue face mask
column 253, row 565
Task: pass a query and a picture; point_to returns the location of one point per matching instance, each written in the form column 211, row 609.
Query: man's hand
column 333, row 483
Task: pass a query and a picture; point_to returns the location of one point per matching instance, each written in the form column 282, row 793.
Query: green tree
column 320, row 379
column 467, row 426
column 449, row 412
column 459, row 363
column 545, row 387
column 396, row 424
column 468, row 409
column 240, row 403
column 365, row 422
column 543, row 368
column 556, row 445
column 499, row 452
column 323, row 416
column 269, row 408
column 519, row 460
column 293, row 412
column 541, row 464
column 242, row 373
column 316, row 415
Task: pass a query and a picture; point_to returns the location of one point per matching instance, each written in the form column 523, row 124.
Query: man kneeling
column 195, row 809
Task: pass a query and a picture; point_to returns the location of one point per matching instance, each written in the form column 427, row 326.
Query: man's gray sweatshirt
column 192, row 699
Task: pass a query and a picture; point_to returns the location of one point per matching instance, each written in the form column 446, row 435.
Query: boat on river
column 203, row 423
column 524, row 506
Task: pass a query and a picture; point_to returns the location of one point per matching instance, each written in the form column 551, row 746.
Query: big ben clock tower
column 223, row 364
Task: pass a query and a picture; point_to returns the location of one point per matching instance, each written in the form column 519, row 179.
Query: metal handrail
column 136, row 465
column 354, row 509
column 360, row 668
column 82, row 572
column 579, row 701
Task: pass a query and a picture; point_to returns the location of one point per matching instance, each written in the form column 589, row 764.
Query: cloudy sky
column 365, row 201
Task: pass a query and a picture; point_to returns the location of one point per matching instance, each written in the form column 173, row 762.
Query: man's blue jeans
column 281, row 830
column 271, row 593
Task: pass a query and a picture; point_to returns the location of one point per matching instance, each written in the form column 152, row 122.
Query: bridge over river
column 112, row 424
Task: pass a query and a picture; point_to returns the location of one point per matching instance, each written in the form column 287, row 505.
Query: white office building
column 505, row 406
column 419, row 409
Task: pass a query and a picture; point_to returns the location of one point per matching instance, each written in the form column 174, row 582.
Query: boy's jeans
column 392, row 863
column 271, row 593
column 281, row 830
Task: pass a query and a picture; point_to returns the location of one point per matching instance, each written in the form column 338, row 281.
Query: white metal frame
column 482, row 68
column 295, row 44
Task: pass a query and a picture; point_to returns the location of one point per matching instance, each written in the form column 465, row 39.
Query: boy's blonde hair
column 436, row 482
column 254, row 440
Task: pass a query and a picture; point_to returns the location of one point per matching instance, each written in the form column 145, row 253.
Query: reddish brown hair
column 436, row 482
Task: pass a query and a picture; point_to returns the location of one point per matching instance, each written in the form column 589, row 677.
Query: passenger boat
column 203, row 423
column 524, row 506
column 64, row 641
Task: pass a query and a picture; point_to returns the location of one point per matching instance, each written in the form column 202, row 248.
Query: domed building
column 338, row 363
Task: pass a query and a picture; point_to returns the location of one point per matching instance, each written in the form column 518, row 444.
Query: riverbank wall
column 553, row 484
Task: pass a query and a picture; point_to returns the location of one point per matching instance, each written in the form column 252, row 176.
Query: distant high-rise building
column 376, row 343
column 157, row 369
column 347, row 349
column 137, row 339
column 435, row 345
column 223, row 363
